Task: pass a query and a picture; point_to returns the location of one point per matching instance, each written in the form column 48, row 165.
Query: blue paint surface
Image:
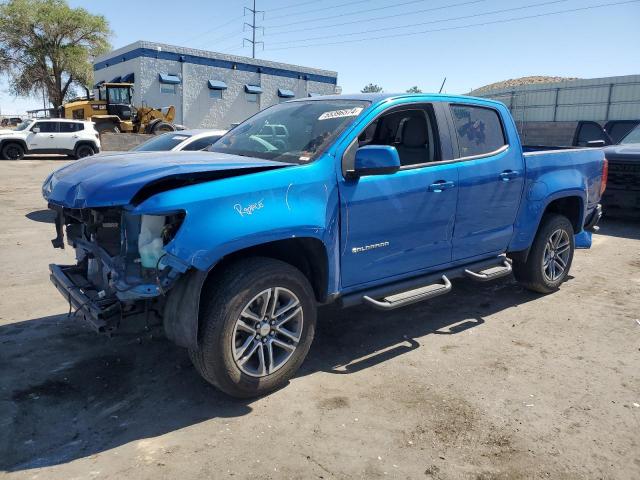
column 374, row 229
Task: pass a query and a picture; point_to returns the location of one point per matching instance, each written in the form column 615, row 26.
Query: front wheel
column 257, row 325
column 550, row 258
column 13, row 151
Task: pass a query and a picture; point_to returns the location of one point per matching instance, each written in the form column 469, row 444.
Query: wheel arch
column 19, row 141
column 182, row 310
column 570, row 204
column 90, row 143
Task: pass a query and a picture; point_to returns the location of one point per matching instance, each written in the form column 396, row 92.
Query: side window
column 412, row 131
column 589, row 131
column 47, row 127
column 68, row 127
column 201, row 143
column 478, row 129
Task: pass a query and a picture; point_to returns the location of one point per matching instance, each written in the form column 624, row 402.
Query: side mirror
column 35, row 129
column 596, row 143
column 375, row 160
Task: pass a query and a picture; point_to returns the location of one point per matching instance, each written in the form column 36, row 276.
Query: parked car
column 623, row 191
column 187, row 140
column 76, row 138
column 11, row 122
column 374, row 199
column 592, row 134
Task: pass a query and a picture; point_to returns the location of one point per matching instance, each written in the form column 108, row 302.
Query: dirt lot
column 489, row 382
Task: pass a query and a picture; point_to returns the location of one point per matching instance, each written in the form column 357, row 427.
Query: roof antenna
column 442, row 86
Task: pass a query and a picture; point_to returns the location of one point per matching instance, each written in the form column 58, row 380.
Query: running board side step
column 490, row 273
column 403, row 299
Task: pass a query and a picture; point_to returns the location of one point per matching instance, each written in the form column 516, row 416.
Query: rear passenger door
column 68, row 136
column 490, row 181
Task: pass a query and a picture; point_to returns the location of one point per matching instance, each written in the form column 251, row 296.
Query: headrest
column 414, row 133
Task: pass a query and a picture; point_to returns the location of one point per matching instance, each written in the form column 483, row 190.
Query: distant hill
column 518, row 82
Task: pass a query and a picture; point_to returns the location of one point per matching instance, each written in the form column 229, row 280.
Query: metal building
column 565, row 103
column 208, row 89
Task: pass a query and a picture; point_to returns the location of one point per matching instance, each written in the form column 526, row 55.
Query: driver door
column 396, row 224
column 45, row 139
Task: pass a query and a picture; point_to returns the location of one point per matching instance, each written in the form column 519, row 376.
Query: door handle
column 441, row 185
column 51, row 136
column 508, row 175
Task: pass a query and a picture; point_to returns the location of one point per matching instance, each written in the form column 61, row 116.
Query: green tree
column 45, row 44
column 371, row 88
column 414, row 89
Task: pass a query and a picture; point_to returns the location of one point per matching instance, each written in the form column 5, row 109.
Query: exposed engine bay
column 119, row 261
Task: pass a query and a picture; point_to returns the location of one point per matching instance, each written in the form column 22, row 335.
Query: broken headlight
column 156, row 231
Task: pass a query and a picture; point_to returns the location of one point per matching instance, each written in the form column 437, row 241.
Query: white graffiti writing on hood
column 249, row 209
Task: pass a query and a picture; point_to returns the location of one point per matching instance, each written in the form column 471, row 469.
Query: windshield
column 24, row 125
column 291, row 132
column 161, row 143
column 632, row 137
column 119, row 95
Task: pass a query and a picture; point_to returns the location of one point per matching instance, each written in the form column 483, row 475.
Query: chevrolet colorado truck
column 375, row 199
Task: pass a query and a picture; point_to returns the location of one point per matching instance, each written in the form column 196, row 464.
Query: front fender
column 228, row 215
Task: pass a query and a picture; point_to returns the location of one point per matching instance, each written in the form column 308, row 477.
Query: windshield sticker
column 179, row 137
column 349, row 112
column 249, row 209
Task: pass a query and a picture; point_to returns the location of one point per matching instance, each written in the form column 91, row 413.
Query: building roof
column 120, row 55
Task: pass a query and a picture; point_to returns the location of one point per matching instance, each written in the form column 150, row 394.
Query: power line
column 460, row 27
column 217, row 27
column 293, row 5
column 475, row 15
column 385, row 17
column 284, row 25
column 321, row 9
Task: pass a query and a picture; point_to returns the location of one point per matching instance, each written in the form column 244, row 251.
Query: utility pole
column 253, row 28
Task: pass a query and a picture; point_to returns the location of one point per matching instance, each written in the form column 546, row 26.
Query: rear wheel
column 12, row 151
column 107, row 128
column 549, row 260
column 257, row 325
column 84, row 151
column 162, row 127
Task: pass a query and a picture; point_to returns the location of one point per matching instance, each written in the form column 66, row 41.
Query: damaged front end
column 121, row 266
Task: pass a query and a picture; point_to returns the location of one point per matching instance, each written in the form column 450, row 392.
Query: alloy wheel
column 556, row 255
column 267, row 332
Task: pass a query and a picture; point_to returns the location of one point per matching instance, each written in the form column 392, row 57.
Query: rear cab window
column 478, row 129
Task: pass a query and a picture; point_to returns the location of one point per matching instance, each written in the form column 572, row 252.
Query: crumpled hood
column 629, row 152
column 110, row 180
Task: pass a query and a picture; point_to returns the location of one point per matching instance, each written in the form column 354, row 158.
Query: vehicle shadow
column 67, row 393
column 620, row 227
column 43, row 216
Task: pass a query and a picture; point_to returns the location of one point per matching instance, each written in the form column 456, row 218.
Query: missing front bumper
column 102, row 314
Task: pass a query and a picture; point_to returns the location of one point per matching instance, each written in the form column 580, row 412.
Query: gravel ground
column 488, row 382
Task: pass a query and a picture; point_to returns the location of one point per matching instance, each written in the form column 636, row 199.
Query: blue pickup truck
column 375, row 199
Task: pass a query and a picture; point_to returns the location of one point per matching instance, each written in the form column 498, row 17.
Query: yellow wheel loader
column 112, row 111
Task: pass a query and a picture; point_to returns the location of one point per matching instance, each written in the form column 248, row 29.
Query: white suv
column 77, row 138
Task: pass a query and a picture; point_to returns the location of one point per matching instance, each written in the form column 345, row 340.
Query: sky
column 393, row 44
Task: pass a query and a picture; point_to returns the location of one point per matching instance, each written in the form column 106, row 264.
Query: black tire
column 224, row 299
column 532, row 274
column 84, row 151
column 107, row 128
column 162, row 127
column 12, row 151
